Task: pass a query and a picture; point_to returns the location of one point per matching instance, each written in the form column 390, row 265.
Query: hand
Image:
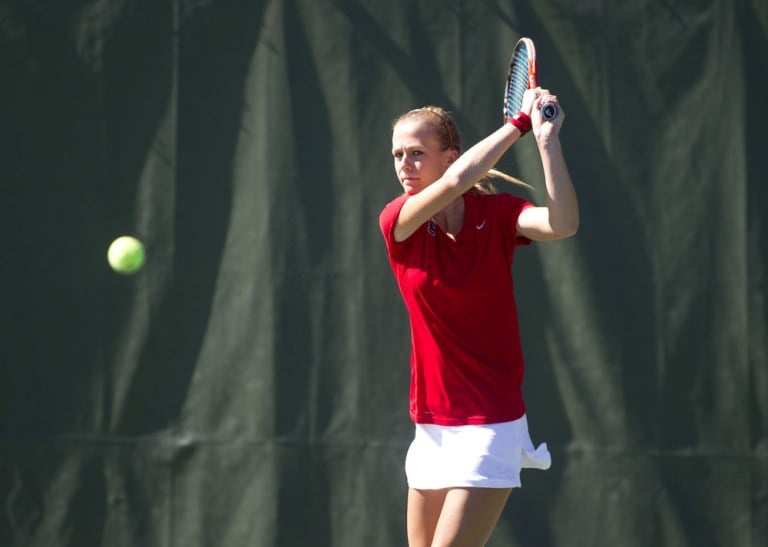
column 543, row 129
column 529, row 98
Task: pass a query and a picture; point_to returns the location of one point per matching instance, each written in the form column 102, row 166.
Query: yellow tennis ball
column 126, row 255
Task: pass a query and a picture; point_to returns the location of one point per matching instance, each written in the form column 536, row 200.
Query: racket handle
column 549, row 111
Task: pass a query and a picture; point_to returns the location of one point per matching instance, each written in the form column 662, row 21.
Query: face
column 419, row 160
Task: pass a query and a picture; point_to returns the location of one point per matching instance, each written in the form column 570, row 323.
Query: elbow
column 452, row 186
column 570, row 221
column 452, row 183
column 573, row 227
column 566, row 228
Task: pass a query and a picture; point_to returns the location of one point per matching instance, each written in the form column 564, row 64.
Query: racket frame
column 530, row 70
column 549, row 111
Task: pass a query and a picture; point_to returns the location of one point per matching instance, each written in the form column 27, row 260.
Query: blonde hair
column 449, row 138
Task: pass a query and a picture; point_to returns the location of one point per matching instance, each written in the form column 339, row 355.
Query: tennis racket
column 521, row 76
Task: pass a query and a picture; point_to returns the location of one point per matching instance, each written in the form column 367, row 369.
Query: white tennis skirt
column 484, row 456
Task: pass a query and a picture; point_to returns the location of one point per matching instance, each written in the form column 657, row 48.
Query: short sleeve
column 388, row 219
column 512, row 207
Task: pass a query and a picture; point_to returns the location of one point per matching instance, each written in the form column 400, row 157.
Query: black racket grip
column 549, row 111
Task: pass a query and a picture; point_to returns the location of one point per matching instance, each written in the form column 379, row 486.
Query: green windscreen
column 249, row 385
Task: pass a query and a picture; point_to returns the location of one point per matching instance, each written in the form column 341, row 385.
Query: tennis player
column 450, row 243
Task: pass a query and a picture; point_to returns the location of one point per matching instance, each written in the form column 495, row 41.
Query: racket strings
column 517, row 83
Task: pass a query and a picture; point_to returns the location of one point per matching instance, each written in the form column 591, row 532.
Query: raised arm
column 560, row 217
column 459, row 177
column 454, row 175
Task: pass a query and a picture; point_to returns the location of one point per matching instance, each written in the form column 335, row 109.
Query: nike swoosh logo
column 480, row 226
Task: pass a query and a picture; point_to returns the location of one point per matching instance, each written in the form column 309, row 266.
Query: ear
column 452, row 156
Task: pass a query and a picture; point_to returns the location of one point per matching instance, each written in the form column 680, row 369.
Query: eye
column 397, row 155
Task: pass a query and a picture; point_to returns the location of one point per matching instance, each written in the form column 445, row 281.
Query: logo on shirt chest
column 432, row 227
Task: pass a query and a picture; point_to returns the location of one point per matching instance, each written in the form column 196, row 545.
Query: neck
column 451, row 217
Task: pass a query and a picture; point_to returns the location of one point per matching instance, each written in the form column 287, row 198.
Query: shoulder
column 388, row 218
column 389, row 213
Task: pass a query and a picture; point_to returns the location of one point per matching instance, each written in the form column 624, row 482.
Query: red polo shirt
column 466, row 358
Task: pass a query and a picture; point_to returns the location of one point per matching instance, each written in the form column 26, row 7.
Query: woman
column 450, row 244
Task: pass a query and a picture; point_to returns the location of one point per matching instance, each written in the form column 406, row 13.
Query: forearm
column 562, row 202
column 473, row 164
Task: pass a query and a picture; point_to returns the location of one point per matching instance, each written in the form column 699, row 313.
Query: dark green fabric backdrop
column 249, row 386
